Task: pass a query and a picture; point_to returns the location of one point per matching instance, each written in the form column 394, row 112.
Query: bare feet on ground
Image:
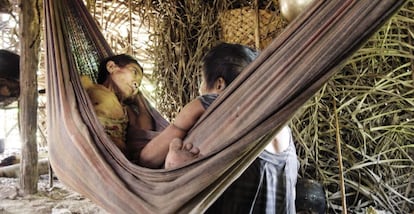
column 180, row 153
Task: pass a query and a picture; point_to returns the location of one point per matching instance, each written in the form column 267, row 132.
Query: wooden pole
column 257, row 25
column 341, row 167
column 13, row 171
column 130, row 51
column 30, row 18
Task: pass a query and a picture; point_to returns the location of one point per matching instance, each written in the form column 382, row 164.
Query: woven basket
column 240, row 26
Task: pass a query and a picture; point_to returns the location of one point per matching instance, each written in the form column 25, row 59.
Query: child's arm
column 154, row 153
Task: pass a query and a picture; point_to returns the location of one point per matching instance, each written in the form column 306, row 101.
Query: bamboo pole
column 257, row 25
column 130, row 51
column 341, row 171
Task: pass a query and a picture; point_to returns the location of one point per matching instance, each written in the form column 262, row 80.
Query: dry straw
column 374, row 93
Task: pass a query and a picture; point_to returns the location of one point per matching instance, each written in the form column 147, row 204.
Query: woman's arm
column 154, row 153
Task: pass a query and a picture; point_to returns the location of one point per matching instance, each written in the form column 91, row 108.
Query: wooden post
column 257, row 25
column 341, row 167
column 30, row 18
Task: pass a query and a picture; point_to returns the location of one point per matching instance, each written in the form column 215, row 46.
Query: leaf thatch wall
column 186, row 29
column 372, row 97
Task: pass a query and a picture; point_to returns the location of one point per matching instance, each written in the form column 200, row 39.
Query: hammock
column 273, row 87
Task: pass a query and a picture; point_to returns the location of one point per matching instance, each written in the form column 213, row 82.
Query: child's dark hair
column 227, row 61
column 121, row 60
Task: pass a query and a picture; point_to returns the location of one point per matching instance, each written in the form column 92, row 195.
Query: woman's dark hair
column 227, row 61
column 121, row 60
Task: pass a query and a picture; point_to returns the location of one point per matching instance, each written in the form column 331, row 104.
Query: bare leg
column 180, row 153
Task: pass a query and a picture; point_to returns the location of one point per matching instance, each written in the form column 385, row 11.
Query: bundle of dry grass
column 374, row 100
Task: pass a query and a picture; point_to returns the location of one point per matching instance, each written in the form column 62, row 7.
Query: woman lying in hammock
column 119, row 79
column 118, row 107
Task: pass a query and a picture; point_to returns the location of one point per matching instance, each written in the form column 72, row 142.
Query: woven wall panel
column 239, row 25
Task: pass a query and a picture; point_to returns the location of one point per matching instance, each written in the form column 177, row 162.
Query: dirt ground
column 55, row 200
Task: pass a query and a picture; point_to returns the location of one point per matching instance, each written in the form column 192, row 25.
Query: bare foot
column 180, row 153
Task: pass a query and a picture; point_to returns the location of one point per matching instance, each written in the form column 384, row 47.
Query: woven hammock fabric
column 257, row 104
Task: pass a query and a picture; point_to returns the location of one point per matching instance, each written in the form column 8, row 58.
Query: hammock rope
column 273, row 87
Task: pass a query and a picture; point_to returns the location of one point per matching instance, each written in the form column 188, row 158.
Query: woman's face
column 127, row 78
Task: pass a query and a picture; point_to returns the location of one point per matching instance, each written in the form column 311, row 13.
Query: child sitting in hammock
column 268, row 184
column 221, row 66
